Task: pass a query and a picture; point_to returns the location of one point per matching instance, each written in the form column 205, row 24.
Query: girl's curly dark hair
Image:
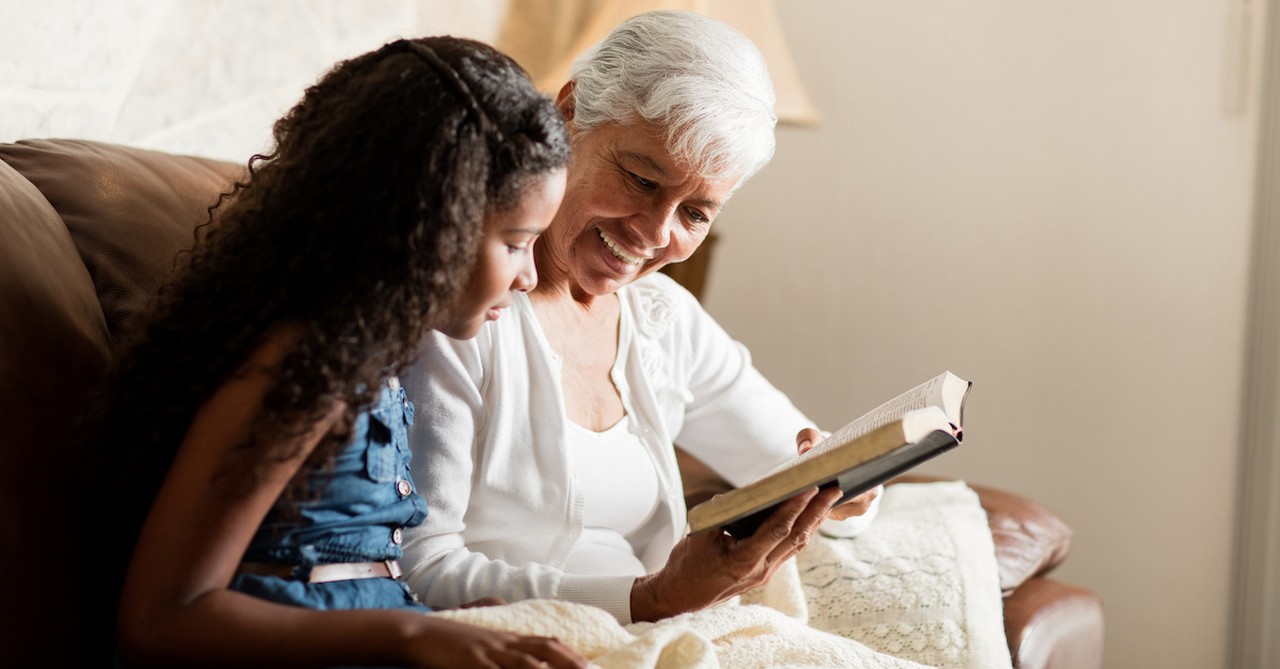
column 360, row 228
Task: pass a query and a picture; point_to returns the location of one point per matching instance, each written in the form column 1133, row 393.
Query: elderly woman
column 549, row 461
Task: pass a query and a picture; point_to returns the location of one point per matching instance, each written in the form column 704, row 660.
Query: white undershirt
column 620, row 493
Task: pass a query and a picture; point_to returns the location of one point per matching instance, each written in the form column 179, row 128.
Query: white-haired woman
column 549, row 459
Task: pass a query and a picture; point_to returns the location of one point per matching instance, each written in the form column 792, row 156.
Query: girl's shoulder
column 277, row 342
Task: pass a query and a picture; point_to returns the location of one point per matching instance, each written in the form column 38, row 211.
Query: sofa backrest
column 88, row 231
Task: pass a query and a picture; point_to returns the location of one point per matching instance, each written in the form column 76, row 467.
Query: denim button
column 403, row 487
column 397, row 536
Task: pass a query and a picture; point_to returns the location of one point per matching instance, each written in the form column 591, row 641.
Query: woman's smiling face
column 629, row 209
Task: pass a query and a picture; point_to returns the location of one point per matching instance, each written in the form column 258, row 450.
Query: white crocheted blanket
column 919, row 589
column 922, row 584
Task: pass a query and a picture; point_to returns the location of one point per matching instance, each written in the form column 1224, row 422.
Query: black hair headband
column 459, row 85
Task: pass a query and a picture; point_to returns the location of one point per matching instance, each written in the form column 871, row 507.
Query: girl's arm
column 176, row 608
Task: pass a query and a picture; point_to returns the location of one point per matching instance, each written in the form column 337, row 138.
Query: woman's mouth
column 619, row 252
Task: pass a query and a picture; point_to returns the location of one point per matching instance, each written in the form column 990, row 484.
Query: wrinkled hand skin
column 710, row 567
column 807, row 439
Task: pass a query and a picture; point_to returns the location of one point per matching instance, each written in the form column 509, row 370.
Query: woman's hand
column 444, row 643
column 807, row 439
column 711, row 567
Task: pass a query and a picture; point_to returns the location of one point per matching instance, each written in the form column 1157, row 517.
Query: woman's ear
column 564, row 101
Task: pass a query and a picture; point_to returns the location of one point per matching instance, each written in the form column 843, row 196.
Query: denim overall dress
column 362, row 506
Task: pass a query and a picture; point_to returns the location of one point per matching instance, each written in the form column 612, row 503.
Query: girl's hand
column 711, row 567
column 443, row 644
column 482, row 602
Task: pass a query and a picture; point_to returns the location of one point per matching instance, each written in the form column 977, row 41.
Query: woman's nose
column 656, row 230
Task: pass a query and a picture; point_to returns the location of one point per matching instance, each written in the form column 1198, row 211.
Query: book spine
column 862, row 478
column 884, row 468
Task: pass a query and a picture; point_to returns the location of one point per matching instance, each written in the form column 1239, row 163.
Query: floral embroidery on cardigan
column 655, row 314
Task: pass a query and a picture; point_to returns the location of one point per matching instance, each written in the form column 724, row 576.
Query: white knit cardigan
column 491, row 459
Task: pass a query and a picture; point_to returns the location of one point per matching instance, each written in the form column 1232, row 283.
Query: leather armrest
column 1030, row 540
column 1053, row 625
column 130, row 211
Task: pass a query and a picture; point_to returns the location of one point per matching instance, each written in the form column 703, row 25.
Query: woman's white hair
column 703, row 81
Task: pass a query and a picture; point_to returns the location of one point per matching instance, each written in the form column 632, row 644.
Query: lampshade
column 545, row 36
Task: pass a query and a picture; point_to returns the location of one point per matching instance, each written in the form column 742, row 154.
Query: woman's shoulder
column 659, row 303
column 659, row 286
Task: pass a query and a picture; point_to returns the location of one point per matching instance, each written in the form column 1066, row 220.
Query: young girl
column 257, row 414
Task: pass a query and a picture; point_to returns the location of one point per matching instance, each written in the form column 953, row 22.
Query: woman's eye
column 513, row 250
column 643, row 182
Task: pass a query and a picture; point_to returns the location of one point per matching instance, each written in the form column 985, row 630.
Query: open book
column 890, row 439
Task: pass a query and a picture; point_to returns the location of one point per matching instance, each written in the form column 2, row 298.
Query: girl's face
column 505, row 260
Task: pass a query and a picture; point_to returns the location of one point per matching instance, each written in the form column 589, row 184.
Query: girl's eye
column 521, row 247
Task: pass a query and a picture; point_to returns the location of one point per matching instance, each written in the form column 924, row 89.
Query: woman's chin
column 614, row 275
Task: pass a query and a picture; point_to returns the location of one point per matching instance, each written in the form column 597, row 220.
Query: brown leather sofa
column 87, row 232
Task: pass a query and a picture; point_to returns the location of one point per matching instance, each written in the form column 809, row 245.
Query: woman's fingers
column 807, row 439
column 777, row 528
column 805, row 525
column 856, row 506
column 709, row 567
column 788, row 529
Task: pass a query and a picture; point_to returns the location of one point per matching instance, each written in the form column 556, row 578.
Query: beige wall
column 205, row 77
column 1050, row 200
column 1045, row 197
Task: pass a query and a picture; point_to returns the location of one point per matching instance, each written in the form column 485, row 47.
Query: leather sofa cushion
column 1030, row 539
column 1051, row 625
column 53, row 348
column 130, row 211
column 87, row 233
column 41, row 275
column 53, row 339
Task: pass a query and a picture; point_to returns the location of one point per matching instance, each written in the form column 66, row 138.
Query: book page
column 925, row 394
